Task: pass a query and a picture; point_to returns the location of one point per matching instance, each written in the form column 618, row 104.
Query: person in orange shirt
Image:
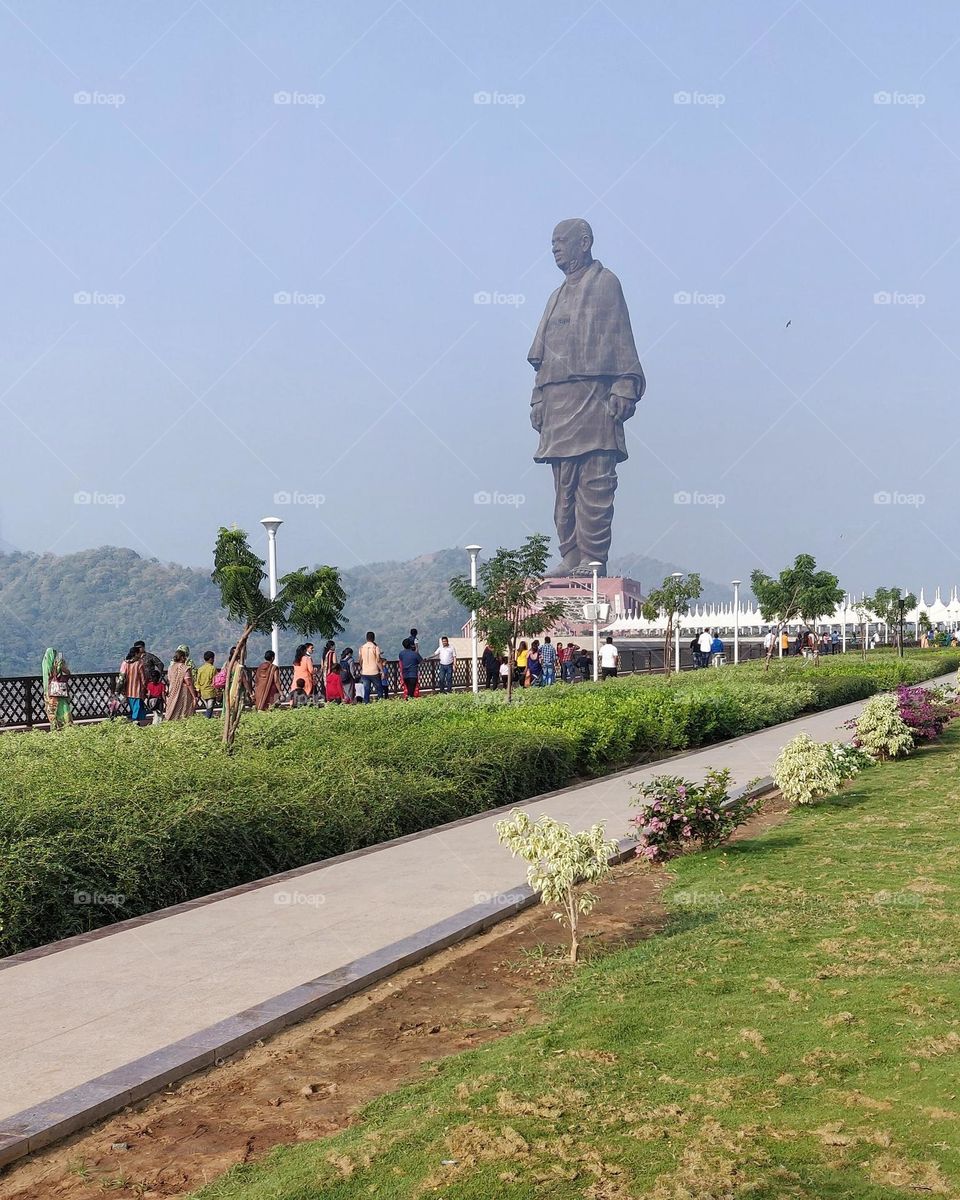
column 303, row 667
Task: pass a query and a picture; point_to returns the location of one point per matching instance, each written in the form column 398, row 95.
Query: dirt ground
column 309, row 1081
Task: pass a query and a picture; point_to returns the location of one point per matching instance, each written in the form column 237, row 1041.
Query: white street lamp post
column 736, row 621
column 271, row 525
column 595, row 567
column 843, row 626
column 676, row 632
column 473, row 551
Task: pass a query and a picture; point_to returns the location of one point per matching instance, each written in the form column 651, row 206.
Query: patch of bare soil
column 309, row 1081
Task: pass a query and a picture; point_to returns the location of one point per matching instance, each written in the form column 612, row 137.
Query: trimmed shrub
column 111, row 821
column 881, row 731
column 675, row 814
column 807, row 771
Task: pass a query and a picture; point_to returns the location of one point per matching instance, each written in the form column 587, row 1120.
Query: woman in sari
column 56, row 673
column 266, row 683
column 134, row 681
column 181, row 694
column 328, row 666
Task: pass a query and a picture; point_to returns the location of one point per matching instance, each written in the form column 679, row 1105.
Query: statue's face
column 565, row 246
column 571, row 249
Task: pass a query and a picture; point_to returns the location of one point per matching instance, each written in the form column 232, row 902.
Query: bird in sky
column 789, row 323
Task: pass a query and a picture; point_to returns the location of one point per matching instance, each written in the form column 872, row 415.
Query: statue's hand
column 621, row 408
column 536, row 415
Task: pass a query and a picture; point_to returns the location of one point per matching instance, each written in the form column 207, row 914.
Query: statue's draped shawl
column 596, row 341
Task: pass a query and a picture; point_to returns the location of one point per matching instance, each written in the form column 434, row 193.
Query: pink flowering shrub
column 676, row 813
column 924, row 711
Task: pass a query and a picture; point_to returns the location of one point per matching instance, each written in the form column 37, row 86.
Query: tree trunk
column 511, row 661
column 572, row 916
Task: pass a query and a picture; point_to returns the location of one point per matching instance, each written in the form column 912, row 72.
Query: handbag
column 220, row 679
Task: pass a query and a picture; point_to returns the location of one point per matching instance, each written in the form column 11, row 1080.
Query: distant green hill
column 95, row 603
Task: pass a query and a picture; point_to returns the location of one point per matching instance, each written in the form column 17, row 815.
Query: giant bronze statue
column 588, row 383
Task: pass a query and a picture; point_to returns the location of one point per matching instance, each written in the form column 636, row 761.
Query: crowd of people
column 146, row 691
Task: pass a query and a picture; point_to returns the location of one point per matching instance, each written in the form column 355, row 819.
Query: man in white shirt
column 609, row 660
column 447, row 656
column 769, row 642
column 706, row 642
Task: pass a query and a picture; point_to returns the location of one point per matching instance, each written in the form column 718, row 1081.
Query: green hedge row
column 159, row 815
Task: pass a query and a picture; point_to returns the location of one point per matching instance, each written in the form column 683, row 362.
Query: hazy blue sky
column 784, row 190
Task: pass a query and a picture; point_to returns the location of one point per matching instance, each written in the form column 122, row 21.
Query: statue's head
column 571, row 245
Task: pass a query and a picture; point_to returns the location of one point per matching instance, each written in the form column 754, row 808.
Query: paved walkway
column 98, row 1004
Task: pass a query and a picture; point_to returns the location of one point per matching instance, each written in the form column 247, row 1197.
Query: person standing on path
column 156, row 698
column 181, row 694
column 371, row 662
column 410, row 661
column 705, row 642
column 303, row 667
column 333, row 685
column 150, row 661
column 447, row 656
column 609, row 660
column 56, row 689
column 204, row 682
column 548, row 656
column 134, row 681
column 328, row 664
column 569, row 663
column 534, row 673
column 266, row 683
column 347, row 676
column 521, row 663
column 491, row 667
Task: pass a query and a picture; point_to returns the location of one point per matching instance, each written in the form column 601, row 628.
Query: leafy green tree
column 506, row 598
column 309, row 602
column 889, row 606
column 672, row 601
column 800, row 592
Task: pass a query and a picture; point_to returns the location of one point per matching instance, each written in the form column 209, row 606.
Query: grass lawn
column 794, row 1033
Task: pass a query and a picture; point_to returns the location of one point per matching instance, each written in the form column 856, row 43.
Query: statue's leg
column 565, row 472
column 596, row 486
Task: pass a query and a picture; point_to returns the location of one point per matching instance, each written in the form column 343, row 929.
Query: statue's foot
column 568, row 565
column 584, row 568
